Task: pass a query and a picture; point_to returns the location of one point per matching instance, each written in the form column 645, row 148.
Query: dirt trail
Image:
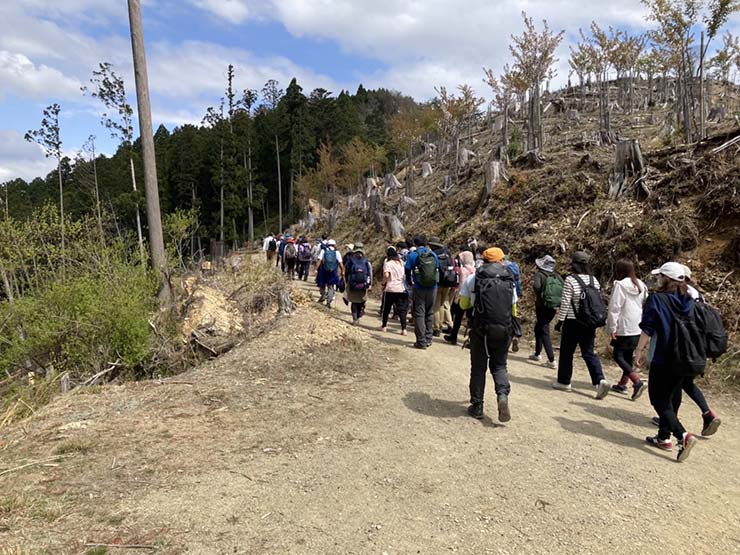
column 362, row 445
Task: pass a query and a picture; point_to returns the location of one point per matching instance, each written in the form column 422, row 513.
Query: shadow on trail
column 601, row 432
column 610, row 412
column 423, row 403
column 546, row 384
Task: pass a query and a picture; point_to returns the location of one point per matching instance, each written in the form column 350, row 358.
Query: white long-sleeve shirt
column 266, row 243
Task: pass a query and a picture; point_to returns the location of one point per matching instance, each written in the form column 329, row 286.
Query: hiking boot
column 552, row 364
column 476, row 410
column 685, row 447
column 504, row 414
column 535, row 358
column 664, row 444
column 602, row 390
column 515, row 345
column 437, row 333
column 638, row 389
column 450, row 339
column 619, row 388
column 711, row 424
column 421, row 346
column 321, row 300
column 562, row 386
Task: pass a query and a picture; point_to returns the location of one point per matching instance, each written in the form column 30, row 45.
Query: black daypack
column 591, row 310
column 687, row 346
column 447, row 275
column 272, row 245
column 358, row 275
column 494, row 293
column 715, row 334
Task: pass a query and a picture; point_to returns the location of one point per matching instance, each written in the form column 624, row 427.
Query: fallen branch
column 724, row 280
column 123, row 545
column 725, row 146
column 582, row 218
column 47, row 462
column 93, row 380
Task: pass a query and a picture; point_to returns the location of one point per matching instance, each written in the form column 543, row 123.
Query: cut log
column 629, row 168
column 395, row 227
column 465, row 156
column 391, row 183
column 426, row 170
column 495, row 172
column 531, row 159
column 572, row 115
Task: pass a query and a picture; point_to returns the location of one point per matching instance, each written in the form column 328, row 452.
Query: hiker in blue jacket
column 328, row 271
column 422, row 275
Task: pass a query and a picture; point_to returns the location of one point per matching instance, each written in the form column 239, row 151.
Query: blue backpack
column 514, row 269
column 330, row 263
column 358, row 275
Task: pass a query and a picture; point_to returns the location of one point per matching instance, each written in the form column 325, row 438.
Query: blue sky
column 49, row 48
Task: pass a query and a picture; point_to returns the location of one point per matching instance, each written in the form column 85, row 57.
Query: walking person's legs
column 420, row 316
column 542, row 332
column 710, row 421
column 438, row 311
column 478, row 367
column 330, row 295
column 568, row 344
column 388, row 300
column 402, row 308
column 431, row 295
column 498, row 352
column 665, row 388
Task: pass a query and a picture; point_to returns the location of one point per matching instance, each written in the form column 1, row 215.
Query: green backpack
column 426, row 269
column 552, row 292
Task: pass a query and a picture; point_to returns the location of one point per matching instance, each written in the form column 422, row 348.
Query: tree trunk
column 410, row 175
column 290, row 196
column 6, row 283
column 98, row 212
column 221, row 195
column 61, row 210
column 280, row 186
column 250, row 196
column 154, row 216
column 139, row 235
column 702, row 113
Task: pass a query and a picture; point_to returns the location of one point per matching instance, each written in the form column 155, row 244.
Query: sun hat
column 494, row 254
column 581, row 257
column 434, row 242
column 546, row 263
column 672, row 270
column 332, row 243
column 359, row 247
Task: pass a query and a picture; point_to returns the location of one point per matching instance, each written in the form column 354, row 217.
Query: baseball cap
column 672, row 270
column 332, row 243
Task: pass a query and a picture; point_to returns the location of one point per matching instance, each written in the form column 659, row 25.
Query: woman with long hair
column 466, row 269
column 623, row 323
column 394, row 289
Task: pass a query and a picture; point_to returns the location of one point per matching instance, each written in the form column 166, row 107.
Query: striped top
column 572, row 292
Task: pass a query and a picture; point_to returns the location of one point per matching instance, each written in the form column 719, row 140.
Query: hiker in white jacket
column 625, row 313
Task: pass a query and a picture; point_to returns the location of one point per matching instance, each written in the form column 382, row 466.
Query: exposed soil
column 318, row 437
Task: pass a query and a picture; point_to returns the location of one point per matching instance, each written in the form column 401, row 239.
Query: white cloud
column 234, row 11
column 19, row 158
column 21, row 76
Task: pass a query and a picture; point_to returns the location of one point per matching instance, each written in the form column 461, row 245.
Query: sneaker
column 711, row 424
column 552, row 364
column 602, row 390
column 421, row 346
column 664, row 444
column 562, row 386
column 355, row 321
column 515, row 345
column 383, row 329
column 619, row 388
column 328, row 305
column 451, row 340
column 504, row 414
column 346, row 302
column 535, row 358
column 637, row 390
column 404, row 332
column 321, row 300
column 685, row 447
column 437, row 333
column 476, row 410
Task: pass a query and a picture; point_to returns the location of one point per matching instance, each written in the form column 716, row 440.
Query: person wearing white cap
column 667, row 376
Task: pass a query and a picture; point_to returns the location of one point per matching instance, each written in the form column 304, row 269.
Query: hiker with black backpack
column 304, row 259
column 548, row 293
column 625, row 313
column 359, row 278
column 682, row 334
column 446, row 287
column 290, row 258
column 491, row 294
column 270, row 246
column 582, row 312
column 328, row 272
column 422, row 275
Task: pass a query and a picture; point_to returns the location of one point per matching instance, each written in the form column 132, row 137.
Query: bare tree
column 89, row 148
column 49, row 138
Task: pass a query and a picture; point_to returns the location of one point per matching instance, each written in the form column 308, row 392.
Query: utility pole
column 154, row 217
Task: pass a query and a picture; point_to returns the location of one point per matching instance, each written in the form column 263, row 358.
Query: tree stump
column 495, row 172
column 426, row 170
column 629, row 168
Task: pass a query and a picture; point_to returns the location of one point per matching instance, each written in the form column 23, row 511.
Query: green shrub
column 516, row 146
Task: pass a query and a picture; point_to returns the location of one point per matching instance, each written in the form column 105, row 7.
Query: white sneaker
column 553, row 364
column 602, row 390
column 535, row 358
column 562, row 386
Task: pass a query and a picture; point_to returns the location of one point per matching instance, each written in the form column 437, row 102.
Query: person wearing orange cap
column 491, row 293
column 290, row 257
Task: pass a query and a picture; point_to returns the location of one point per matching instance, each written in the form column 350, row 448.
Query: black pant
column 696, row 395
column 577, row 335
column 290, row 267
column 398, row 300
column 357, row 310
column 664, row 389
column 424, row 315
column 457, row 318
column 304, row 268
column 624, row 352
column 542, row 332
column 486, row 352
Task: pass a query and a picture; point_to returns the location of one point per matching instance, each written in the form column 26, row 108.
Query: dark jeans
column 696, row 395
column 488, row 353
column 357, row 309
column 664, row 389
column 290, row 267
column 457, row 318
column 424, row 315
column 542, row 332
column 398, row 300
column 624, row 352
column 577, row 335
column 304, row 268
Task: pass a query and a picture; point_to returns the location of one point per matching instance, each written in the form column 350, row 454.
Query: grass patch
column 74, row 446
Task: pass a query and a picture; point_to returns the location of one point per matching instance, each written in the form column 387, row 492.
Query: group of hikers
column 672, row 328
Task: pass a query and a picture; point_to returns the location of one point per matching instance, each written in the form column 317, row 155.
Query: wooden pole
column 280, row 186
column 154, row 217
column 702, row 113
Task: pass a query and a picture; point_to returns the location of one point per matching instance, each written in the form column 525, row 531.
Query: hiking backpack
column 714, row 332
column 426, row 269
column 513, row 267
column 552, row 292
column 591, row 310
column 494, row 293
column 687, row 344
column 448, row 277
column 358, row 275
column 304, row 252
column 290, row 251
column 330, row 263
column 272, row 245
